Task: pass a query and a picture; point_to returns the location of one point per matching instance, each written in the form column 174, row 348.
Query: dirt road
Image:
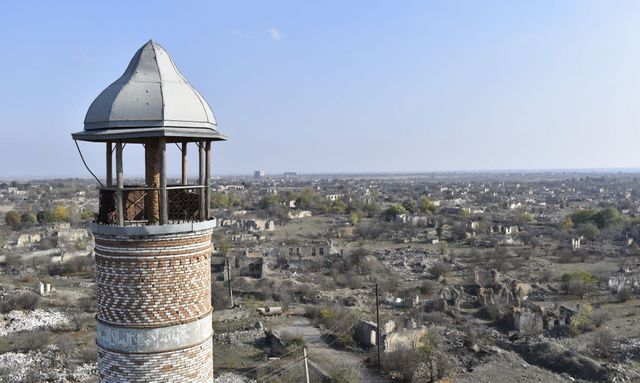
column 325, row 358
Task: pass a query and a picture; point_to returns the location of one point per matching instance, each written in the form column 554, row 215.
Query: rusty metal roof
column 151, row 99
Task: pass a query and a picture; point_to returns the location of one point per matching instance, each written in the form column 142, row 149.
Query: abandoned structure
column 153, row 241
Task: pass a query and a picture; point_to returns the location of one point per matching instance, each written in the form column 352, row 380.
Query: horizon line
column 368, row 173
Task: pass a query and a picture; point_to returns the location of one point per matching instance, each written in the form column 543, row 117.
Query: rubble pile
column 407, row 261
column 18, row 364
column 240, row 336
column 84, row 372
column 43, row 366
column 230, row 315
column 627, row 350
column 39, row 319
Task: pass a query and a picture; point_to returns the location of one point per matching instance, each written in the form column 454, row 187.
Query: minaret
column 153, row 241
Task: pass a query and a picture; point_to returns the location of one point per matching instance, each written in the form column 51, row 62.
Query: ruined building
column 153, row 240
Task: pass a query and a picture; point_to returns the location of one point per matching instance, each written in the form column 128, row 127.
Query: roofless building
column 153, row 241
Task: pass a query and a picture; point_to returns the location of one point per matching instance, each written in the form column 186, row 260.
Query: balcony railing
column 140, row 204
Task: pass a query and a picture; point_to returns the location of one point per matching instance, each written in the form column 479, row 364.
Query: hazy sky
column 339, row 86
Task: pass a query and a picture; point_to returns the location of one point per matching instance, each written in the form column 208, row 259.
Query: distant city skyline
column 338, row 88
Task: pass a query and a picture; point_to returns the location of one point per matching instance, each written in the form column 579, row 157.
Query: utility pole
column 306, row 363
column 378, row 330
column 229, row 280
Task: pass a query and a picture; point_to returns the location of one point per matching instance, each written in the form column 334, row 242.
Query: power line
column 297, row 348
column 284, row 369
column 293, row 364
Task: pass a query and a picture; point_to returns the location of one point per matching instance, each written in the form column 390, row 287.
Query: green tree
column 567, row 224
column 44, row 216
column 223, row 247
column 394, row 211
column 268, row 201
column 427, row 206
column 87, row 215
column 409, row 206
column 587, row 230
column 220, row 200
column 582, row 320
column 27, row 219
column 602, row 219
column 428, row 351
column 370, row 209
column 579, row 283
column 61, row 213
column 354, row 218
column 525, row 218
column 582, row 216
column 338, row 206
column 13, row 218
column 606, row 217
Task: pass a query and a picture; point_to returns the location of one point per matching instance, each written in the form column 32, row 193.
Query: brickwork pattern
column 153, row 281
column 193, row 365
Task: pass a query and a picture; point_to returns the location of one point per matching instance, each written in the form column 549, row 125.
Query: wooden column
column 120, row 185
column 109, row 164
column 164, row 208
column 207, row 174
column 185, row 180
column 201, row 180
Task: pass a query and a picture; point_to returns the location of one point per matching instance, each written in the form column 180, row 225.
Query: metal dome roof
column 151, row 99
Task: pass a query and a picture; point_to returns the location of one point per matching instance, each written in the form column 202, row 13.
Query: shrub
column 61, row 213
column 491, row 312
column 393, row 211
column 578, row 283
column 48, row 244
column 402, row 363
column 20, row 301
column 599, row 318
column 429, row 288
column 28, row 219
column 437, row 362
column 13, row 260
column 31, row 341
column 87, row 304
column 582, row 320
column 72, row 266
column 603, row 341
column 339, row 321
column 624, row 294
column 66, row 345
column 13, row 218
column 292, row 342
column 89, row 354
column 436, row 317
column 440, row 269
column 80, row 321
column 345, row 374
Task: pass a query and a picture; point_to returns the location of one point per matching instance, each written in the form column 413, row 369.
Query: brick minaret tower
column 153, row 241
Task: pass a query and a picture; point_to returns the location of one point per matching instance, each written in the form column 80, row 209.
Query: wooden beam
column 109, row 164
column 201, row 180
column 208, row 181
column 164, row 209
column 120, row 184
column 185, row 179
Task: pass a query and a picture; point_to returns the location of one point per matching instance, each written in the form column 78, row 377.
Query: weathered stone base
column 192, row 365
